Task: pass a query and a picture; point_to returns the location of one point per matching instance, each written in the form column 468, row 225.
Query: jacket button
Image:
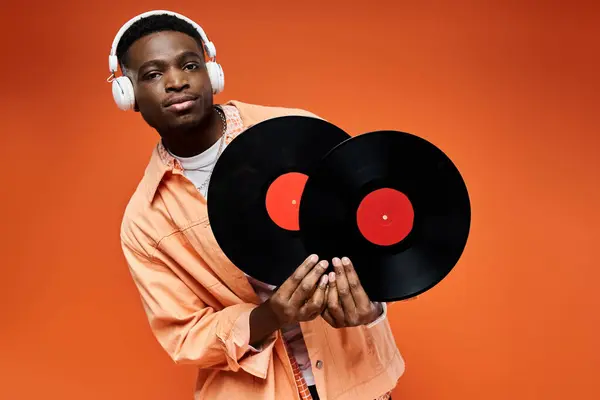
column 319, row 364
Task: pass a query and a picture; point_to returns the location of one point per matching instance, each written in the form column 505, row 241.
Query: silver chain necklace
column 222, row 140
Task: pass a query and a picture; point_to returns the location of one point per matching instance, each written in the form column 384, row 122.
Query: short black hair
column 152, row 24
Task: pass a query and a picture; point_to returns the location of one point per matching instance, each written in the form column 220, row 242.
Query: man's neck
column 192, row 143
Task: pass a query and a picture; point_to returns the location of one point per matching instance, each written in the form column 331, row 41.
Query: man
column 317, row 336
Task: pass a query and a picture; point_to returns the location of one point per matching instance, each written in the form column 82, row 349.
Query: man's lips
column 180, row 102
column 186, row 105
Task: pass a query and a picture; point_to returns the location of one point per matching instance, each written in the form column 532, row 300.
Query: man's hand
column 302, row 297
column 347, row 302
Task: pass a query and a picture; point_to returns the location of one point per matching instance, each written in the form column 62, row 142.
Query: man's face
column 171, row 84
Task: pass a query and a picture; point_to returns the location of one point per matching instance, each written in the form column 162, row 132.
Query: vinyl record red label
column 283, row 200
column 385, row 217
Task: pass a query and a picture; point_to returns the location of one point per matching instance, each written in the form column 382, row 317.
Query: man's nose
column 176, row 81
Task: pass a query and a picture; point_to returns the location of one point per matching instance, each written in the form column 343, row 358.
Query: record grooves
column 292, row 186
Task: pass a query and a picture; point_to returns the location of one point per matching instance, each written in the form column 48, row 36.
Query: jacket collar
column 161, row 163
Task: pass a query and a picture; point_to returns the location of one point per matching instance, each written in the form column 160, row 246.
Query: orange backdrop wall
column 509, row 90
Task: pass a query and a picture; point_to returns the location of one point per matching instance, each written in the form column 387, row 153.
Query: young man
column 317, row 336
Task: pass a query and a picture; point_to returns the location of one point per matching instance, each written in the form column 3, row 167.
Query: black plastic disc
column 394, row 204
column 265, row 242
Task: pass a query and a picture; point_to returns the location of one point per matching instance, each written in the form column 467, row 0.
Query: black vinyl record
column 394, row 204
column 255, row 192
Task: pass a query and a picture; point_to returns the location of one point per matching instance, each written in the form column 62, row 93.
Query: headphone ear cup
column 123, row 93
column 216, row 75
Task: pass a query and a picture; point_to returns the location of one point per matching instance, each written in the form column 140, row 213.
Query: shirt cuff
column 381, row 317
column 263, row 345
column 252, row 360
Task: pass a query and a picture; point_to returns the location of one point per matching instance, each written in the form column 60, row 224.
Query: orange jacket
column 198, row 303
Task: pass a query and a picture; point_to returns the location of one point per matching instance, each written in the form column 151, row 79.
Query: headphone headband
column 113, row 61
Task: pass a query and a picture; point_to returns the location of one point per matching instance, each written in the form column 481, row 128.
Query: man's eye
column 151, row 75
column 190, row 66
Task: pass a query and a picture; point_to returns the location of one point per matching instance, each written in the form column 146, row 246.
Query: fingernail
column 324, row 264
column 314, row 258
column 336, row 261
column 332, row 277
column 324, row 280
column 345, row 261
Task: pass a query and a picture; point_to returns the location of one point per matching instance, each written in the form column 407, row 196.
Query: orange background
column 509, row 90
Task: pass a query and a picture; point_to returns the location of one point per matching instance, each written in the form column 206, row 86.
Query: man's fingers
column 343, row 290
column 307, row 286
column 289, row 286
column 361, row 299
column 325, row 297
column 315, row 304
column 327, row 317
column 318, row 298
column 333, row 302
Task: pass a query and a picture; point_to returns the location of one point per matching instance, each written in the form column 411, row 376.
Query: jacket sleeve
column 189, row 330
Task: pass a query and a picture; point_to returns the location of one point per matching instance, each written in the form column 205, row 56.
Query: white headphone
column 122, row 88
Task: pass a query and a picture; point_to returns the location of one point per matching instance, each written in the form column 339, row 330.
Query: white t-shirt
column 199, row 167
